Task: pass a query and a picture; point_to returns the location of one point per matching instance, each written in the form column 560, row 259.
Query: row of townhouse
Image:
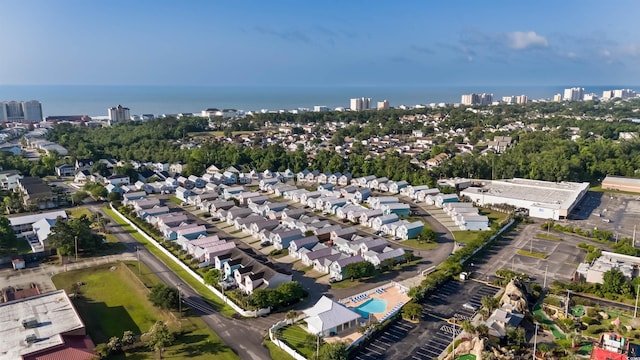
column 463, row 214
column 245, row 272
column 285, row 228
column 466, row 216
column 344, row 204
column 176, row 226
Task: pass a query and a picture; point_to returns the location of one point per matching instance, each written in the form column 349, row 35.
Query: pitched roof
column 327, row 314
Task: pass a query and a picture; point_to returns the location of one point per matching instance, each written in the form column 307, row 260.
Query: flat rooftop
column 52, row 315
column 542, row 193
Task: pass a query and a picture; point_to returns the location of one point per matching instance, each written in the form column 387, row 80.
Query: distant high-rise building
column 320, row 108
column 557, row 97
column 477, row 99
column 522, row 99
column 509, row 99
column 118, row 114
column 21, row 111
column 383, row 105
column 573, row 94
column 590, row 97
column 358, row 104
column 32, row 111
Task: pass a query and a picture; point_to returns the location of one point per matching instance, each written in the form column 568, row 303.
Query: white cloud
column 521, row 40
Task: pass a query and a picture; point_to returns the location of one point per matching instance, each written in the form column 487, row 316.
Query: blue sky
column 319, row 43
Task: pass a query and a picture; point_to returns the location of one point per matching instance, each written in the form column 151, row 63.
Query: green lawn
column 413, row 243
column 108, row 313
column 532, row 254
column 219, row 305
column 276, row 352
column 345, row 284
column 466, row 357
column 300, row 340
column 175, row 200
column 78, row 211
column 466, row 236
column 494, row 216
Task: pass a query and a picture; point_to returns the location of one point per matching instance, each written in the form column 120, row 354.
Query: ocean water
column 94, row 100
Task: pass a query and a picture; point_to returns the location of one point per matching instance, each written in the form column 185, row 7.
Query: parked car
column 265, row 243
column 469, row 306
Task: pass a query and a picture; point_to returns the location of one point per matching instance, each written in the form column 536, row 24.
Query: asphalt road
column 243, row 336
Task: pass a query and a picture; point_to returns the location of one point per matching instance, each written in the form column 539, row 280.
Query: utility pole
column 138, row 255
column 566, row 305
column 179, row 301
column 635, row 310
column 76, row 246
column 544, row 285
column 535, row 341
column 634, row 236
column 317, row 346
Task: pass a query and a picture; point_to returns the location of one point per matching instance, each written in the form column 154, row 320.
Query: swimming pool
column 373, row 305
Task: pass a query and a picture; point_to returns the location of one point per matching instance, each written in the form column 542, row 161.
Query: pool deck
column 393, row 296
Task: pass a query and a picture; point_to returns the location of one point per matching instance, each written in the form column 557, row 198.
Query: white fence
column 281, row 344
column 195, row 275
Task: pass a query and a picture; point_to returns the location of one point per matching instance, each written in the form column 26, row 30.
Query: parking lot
column 562, row 259
column 426, row 340
column 618, row 213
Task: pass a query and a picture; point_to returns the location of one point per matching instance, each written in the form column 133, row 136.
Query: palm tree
column 490, row 303
column 468, row 327
column 291, row 316
column 575, row 338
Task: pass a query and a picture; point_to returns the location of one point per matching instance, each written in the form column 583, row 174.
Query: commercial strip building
column 543, row 199
column 620, row 183
column 44, row 326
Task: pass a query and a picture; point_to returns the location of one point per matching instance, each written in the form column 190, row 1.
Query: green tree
column 159, row 337
column 66, row 232
column 128, row 338
column 468, row 327
column 291, row 316
column 212, row 277
column 290, row 291
column 359, row 270
column 114, row 344
column 490, row 303
column 614, row 282
column 78, row 196
column 8, row 238
column 428, row 234
column 164, row 296
column 333, row 351
column 412, row 311
column 114, row 196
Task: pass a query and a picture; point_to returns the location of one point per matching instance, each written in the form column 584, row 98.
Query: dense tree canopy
column 65, row 232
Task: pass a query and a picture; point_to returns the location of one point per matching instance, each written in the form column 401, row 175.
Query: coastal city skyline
column 315, row 44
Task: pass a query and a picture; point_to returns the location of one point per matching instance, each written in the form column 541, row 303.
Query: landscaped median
column 220, row 302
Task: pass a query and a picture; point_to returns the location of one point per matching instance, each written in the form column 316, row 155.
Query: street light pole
column 76, row 246
column 535, row 341
column 453, row 344
column 544, row 285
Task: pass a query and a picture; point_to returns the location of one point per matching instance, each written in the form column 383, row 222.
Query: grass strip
column 215, row 301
